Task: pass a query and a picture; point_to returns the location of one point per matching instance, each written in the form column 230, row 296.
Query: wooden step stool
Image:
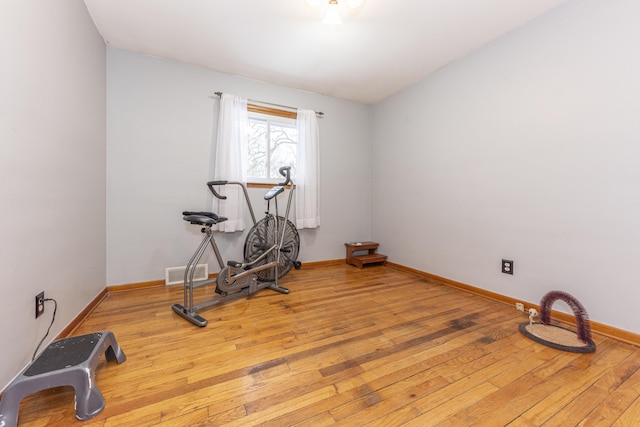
column 370, row 257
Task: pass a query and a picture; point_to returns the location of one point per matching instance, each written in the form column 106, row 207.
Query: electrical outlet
column 520, row 306
column 40, row 304
column 507, row 266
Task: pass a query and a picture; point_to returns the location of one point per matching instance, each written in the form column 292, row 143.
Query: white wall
column 159, row 128
column 527, row 150
column 52, row 170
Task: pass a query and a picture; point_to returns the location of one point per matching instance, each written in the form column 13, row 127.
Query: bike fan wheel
column 262, row 236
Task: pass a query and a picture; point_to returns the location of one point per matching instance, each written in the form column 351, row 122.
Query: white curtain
column 229, row 160
column 308, row 168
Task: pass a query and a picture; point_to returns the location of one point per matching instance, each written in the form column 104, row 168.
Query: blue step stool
column 65, row 362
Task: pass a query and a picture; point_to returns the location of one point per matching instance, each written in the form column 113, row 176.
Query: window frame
column 270, row 111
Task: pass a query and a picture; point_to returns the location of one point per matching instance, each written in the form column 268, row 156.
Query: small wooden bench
column 357, row 258
column 65, row 362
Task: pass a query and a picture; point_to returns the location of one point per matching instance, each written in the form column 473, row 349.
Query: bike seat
column 274, row 192
column 201, row 213
column 202, row 218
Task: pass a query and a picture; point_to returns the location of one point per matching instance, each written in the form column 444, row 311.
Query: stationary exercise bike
column 270, row 251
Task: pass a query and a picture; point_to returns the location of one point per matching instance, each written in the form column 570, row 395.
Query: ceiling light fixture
column 334, row 12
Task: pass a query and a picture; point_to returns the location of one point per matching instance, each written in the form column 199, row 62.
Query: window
column 273, row 143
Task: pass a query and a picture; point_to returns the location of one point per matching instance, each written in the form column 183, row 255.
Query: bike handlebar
column 210, row 184
column 286, row 172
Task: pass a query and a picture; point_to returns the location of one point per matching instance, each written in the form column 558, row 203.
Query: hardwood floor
column 348, row 347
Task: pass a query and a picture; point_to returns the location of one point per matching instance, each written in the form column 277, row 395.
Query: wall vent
column 175, row 275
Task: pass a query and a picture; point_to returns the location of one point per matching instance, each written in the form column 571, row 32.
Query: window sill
column 264, row 185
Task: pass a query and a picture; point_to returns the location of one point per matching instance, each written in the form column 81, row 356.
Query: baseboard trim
column 132, row 286
column 73, row 325
column 154, row 283
column 600, row 328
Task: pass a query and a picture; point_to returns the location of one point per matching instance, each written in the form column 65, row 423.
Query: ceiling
column 381, row 47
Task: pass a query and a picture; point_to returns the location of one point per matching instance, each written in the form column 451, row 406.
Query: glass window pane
column 283, row 148
column 257, row 150
column 272, row 143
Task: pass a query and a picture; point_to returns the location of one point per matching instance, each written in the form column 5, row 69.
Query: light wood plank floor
column 347, row 347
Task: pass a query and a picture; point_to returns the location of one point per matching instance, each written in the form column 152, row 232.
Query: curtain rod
column 318, row 113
